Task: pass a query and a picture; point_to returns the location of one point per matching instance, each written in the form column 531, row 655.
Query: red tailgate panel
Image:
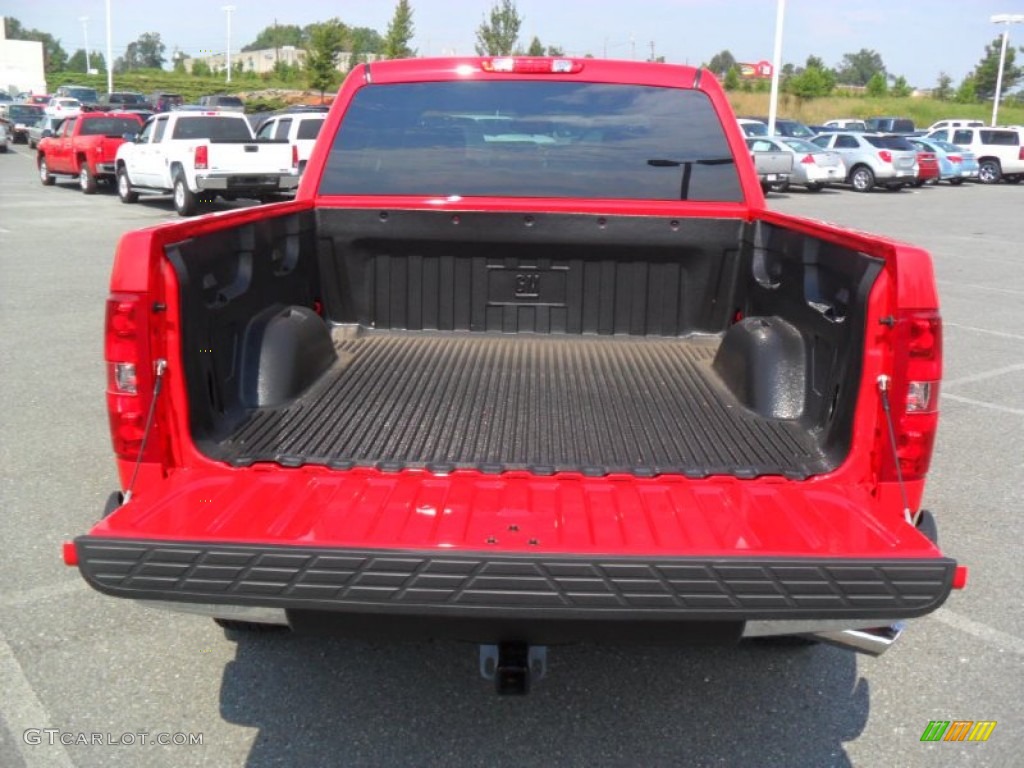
column 516, row 513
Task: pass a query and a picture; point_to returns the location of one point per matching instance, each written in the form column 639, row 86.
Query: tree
column 536, row 47
column 987, row 71
column 77, row 61
column 900, row 88
column 554, row 50
column 400, row 32
column 858, row 68
column 732, row 79
column 200, row 68
column 277, row 36
column 325, row 43
column 145, row 53
column 966, row 92
column 722, row 62
column 498, row 37
column 151, row 51
column 55, row 58
column 944, row 90
column 877, row 85
column 812, row 83
column 367, row 40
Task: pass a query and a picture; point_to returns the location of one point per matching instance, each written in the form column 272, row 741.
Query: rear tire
column 1014, row 179
column 862, row 179
column 87, row 181
column 44, row 173
column 815, row 187
column 989, row 171
column 124, row 187
column 185, row 202
column 894, row 187
column 956, row 182
column 919, row 183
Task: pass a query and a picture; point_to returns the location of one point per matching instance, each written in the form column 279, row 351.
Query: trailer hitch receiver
column 513, row 666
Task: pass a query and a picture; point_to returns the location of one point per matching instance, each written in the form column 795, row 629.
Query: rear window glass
column 109, row 126
column 1001, row 138
column 890, row 142
column 228, row 128
column 24, row 112
column 308, row 129
column 532, row 139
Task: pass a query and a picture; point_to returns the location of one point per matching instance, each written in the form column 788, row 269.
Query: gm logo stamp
column 958, row 730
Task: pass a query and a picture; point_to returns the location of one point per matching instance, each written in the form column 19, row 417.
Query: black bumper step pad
column 505, row 585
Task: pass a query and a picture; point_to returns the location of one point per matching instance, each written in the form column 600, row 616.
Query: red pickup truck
column 84, row 146
column 526, row 361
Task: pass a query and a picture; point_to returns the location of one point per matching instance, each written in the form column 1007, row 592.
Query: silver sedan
column 813, row 167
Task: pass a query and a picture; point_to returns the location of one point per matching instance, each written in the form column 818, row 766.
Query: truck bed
column 542, row 403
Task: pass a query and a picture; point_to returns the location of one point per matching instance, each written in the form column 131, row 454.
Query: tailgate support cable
column 883, row 389
column 161, row 369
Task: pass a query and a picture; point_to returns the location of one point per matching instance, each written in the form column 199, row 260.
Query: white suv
column 1000, row 151
column 299, row 128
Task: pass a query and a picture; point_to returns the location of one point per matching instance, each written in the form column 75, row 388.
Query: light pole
column 773, row 102
column 229, row 9
column 110, row 55
column 85, row 34
column 1006, row 19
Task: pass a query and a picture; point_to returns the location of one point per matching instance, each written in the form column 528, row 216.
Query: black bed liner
column 598, row 405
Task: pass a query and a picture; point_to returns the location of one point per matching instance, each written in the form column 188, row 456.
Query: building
column 264, row 60
column 21, row 64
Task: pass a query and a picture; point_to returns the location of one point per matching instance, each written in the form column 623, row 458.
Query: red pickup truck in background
column 526, row 361
column 84, row 146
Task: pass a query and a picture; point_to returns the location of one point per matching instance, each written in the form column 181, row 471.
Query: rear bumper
column 247, row 182
column 501, row 587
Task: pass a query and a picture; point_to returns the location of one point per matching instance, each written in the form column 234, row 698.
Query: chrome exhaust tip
column 873, row 641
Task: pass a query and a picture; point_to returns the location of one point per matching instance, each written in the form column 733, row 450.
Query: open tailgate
column 515, row 545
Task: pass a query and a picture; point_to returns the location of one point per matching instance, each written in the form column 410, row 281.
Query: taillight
column 914, row 395
column 1020, row 154
column 202, row 157
column 955, row 158
column 295, row 155
column 129, row 375
column 885, row 156
column 808, row 160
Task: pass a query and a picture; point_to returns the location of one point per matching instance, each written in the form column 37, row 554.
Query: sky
column 915, row 39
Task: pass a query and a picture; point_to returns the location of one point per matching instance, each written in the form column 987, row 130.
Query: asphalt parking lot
column 78, row 662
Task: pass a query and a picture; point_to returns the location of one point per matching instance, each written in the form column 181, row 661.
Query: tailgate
column 516, row 545
column 251, row 157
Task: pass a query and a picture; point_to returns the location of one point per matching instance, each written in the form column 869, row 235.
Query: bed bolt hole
column 602, row 222
column 514, row 528
column 528, row 221
column 456, row 220
column 674, row 224
column 534, row 542
column 383, row 216
column 492, row 540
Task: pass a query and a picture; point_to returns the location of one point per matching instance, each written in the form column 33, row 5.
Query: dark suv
column 890, row 124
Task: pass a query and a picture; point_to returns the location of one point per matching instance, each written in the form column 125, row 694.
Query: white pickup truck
column 196, row 156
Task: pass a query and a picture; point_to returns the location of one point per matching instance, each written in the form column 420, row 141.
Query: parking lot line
column 1002, row 640
column 983, row 404
column 983, row 376
column 977, row 287
column 22, row 711
column 38, row 594
column 975, row 329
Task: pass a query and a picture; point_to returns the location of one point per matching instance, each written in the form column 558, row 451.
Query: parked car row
column 954, row 151
column 193, row 155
